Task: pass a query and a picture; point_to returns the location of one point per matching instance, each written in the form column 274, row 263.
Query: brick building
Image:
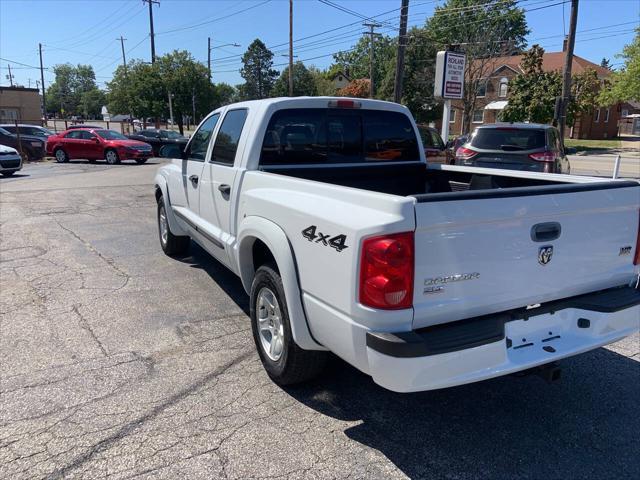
column 21, row 104
column 493, row 96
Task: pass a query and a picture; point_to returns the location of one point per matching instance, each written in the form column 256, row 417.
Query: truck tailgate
column 485, row 251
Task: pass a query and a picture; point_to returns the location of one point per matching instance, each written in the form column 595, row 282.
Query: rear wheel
column 111, row 156
column 171, row 244
column 285, row 362
column 61, row 156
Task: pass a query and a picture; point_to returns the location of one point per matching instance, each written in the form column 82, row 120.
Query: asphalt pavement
column 117, row 361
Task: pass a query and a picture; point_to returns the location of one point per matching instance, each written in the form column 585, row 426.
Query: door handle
column 545, row 232
column 194, row 180
column 224, row 189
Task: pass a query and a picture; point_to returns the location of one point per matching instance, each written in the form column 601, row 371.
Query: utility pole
column 151, row 34
column 10, row 76
column 566, row 80
column 209, row 57
column 124, row 59
column 44, row 100
column 171, row 109
column 371, row 34
column 402, row 45
column 291, row 48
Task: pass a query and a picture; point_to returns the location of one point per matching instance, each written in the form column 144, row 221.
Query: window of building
column 504, row 83
column 478, row 116
column 596, row 115
column 452, row 116
column 606, row 115
column 224, row 150
column 481, row 91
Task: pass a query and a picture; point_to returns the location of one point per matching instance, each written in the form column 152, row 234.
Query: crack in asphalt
column 138, row 422
column 84, row 324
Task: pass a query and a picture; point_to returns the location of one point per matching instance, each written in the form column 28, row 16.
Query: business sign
column 449, row 81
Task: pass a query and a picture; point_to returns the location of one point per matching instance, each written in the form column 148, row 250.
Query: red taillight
column 636, row 257
column 344, row 104
column 464, row 153
column 543, row 156
column 386, row 271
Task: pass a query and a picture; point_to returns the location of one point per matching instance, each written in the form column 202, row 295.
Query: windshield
column 5, row 132
column 508, row 139
column 110, row 135
column 171, row 134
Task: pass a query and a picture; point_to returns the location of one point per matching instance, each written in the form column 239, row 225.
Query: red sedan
column 95, row 144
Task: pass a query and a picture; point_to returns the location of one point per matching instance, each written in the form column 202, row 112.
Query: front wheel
column 285, row 362
column 171, row 244
column 61, row 156
column 7, row 174
column 111, row 156
column 141, row 161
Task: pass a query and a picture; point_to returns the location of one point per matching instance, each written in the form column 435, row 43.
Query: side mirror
column 96, row 140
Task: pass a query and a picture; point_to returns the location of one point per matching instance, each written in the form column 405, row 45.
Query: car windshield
column 171, row 134
column 110, row 135
column 5, row 132
column 508, row 139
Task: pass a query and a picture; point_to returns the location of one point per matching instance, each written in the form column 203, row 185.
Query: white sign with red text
column 449, row 81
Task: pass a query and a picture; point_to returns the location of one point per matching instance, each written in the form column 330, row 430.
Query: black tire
column 173, row 244
column 141, row 161
column 91, row 160
column 294, row 365
column 111, row 156
column 60, row 155
column 7, row 174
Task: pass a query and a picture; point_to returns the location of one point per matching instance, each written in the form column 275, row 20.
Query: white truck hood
column 5, row 149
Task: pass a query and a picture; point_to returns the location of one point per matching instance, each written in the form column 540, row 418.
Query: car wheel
column 171, row 244
column 140, row 161
column 7, row 174
column 111, row 156
column 285, row 362
column 61, row 156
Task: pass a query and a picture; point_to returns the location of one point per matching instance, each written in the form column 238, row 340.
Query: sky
column 88, row 31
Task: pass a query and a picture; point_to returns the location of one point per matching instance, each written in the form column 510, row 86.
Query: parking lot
column 117, row 361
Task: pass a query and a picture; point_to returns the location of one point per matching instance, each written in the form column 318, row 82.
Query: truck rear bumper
column 490, row 346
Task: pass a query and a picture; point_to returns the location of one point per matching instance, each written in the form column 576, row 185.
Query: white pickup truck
column 421, row 276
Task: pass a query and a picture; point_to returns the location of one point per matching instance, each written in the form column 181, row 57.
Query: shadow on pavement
column 585, row 426
column 228, row 281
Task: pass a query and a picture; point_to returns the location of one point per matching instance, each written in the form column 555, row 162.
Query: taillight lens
column 543, row 157
column 464, row 153
column 636, row 257
column 386, row 271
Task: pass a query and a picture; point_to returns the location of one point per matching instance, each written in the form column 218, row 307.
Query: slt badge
column 545, row 254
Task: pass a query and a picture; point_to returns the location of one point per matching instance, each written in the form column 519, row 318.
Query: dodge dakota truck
column 421, row 276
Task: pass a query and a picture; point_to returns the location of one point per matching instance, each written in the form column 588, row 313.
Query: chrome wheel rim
column 164, row 228
column 111, row 157
column 270, row 326
column 60, row 156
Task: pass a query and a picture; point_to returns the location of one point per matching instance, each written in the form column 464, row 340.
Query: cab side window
column 75, row 134
column 197, row 149
column 226, row 146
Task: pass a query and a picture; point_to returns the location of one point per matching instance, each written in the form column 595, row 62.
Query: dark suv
column 515, row 146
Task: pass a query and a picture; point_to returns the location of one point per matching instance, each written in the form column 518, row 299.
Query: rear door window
column 508, row 139
column 320, row 135
column 77, row 134
column 226, row 146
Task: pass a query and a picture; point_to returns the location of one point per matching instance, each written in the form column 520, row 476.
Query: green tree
column 484, row 29
column 625, row 83
column 323, row 82
column 606, row 63
column 74, row 91
column 225, row 94
column 303, row 82
column 187, row 81
column 356, row 61
column 138, row 91
column 256, row 70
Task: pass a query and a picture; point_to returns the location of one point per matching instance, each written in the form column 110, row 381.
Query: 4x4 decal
column 337, row 242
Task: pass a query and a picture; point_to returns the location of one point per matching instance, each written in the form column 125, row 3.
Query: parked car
column 515, row 146
column 457, row 142
column 82, row 125
column 434, row 148
column 96, row 144
column 32, row 146
column 10, row 161
column 26, row 129
column 347, row 241
column 158, row 139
